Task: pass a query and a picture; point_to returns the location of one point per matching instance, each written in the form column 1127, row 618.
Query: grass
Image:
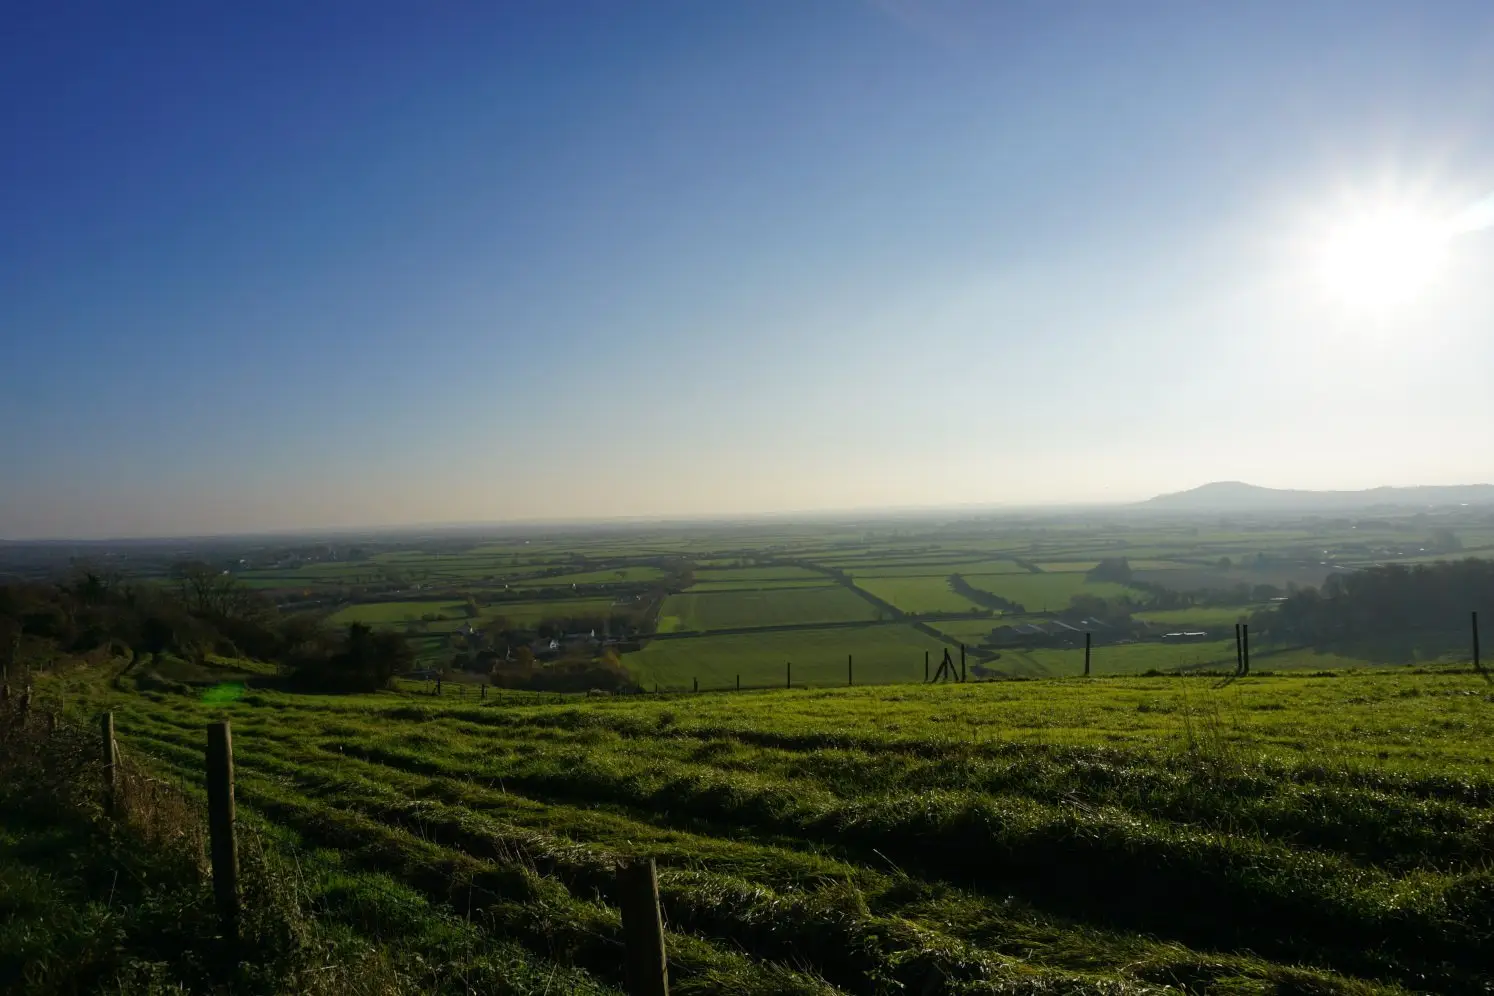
column 396, row 613
column 920, row 594
column 757, row 575
column 617, row 575
column 881, row 652
column 931, row 568
column 1204, row 616
column 1044, row 592
column 526, row 613
column 766, row 584
column 1324, row 835
column 776, row 607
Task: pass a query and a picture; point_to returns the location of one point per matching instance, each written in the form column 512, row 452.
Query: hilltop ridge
column 1237, row 496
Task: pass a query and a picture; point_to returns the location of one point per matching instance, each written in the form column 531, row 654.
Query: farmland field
column 882, row 652
column 762, row 584
column 396, row 613
column 774, row 607
column 918, row 594
column 933, row 568
column 620, row 575
column 764, row 576
column 1199, row 616
column 1044, row 592
column 1108, row 836
column 528, row 613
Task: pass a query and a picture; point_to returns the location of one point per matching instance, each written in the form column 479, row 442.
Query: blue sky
column 345, row 264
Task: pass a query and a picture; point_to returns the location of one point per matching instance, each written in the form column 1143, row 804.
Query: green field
column 971, row 631
column 1044, row 592
column 396, row 613
column 768, row 584
column 765, row 576
column 1200, row 616
column 701, row 612
column 1062, row 836
column 522, row 614
column 933, row 568
column 918, row 594
column 618, row 575
column 882, row 652
column 1134, row 658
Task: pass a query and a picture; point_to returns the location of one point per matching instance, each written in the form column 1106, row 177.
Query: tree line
column 195, row 612
column 1389, row 603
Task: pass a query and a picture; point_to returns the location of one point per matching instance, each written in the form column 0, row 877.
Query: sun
column 1381, row 259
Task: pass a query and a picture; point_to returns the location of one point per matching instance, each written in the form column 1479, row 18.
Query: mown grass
column 1278, row 834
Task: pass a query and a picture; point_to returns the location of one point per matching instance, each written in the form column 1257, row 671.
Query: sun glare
column 1382, row 259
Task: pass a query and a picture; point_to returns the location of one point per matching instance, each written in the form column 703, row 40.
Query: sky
column 284, row 265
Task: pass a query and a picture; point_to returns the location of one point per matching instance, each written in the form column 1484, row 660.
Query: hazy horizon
column 288, row 269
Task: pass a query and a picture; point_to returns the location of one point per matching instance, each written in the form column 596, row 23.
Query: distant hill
column 1236, row 496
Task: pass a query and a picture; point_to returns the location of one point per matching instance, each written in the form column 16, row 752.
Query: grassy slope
column 1058, row 836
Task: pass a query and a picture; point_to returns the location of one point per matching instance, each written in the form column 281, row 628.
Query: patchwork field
column 396, row 613
column 764, row 576
column 775, row 607
column 1316, row 835
column 1200, row 616
column 619, row 575
column 933, row 568
column 918, row 594
column 1044, row 592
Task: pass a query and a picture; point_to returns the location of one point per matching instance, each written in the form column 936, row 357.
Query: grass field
column 523, row 614
column 618, row 575
column 1134, row 658
column 933, row 568
column 918, row 594
column 882, row 652
column 1323, row 835
column 971, row 631
column 767, row 584
column 395, row 613
column 1220, row 616
column 765, row 576
column 1044, row 592
column 776, row 607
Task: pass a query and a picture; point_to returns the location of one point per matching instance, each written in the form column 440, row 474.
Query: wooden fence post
column 788, row 674
column 1086, row 654
column 482, row 691
column 962, row 663
column 695, row 684
column 225, row 851
column 1239, row 652
column 643, row 928
column 739, row 682
column 1245, row 646
column 925, row 667
column 111, row 758
column 1478, row 664
column 850, row 675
